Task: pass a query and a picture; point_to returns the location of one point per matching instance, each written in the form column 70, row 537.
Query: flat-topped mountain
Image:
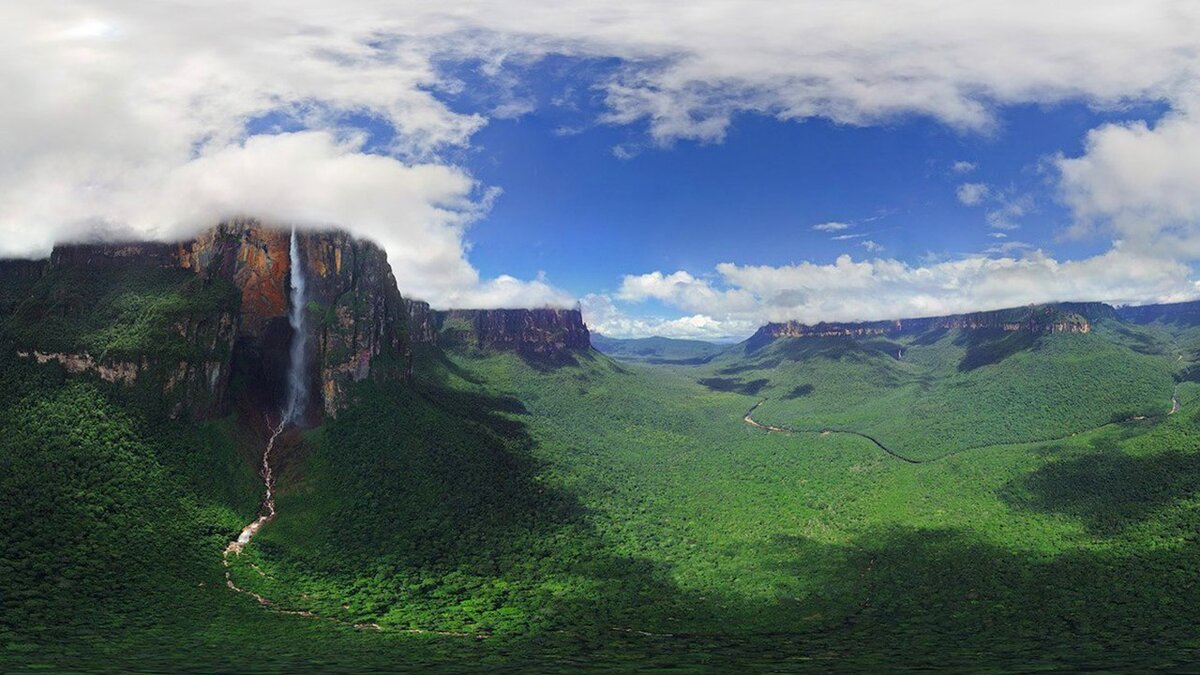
column 529, row 331
column 1064, row 317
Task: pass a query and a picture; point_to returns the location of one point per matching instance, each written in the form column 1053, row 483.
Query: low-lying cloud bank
column 738, row 298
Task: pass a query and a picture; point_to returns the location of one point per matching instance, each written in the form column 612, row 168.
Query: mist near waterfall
column 297, row 383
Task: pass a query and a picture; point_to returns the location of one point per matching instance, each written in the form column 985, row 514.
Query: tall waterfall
column 297, row 382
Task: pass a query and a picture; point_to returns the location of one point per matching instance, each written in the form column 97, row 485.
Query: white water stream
column 293, row 412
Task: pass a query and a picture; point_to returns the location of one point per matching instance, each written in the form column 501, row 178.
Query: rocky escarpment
column 1053, row 318
column 127, row 314
column 545, row 332
column 210, row 316
column 223, row 301
column 357, row 317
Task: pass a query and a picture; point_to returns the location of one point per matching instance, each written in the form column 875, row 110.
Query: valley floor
column 599, row 515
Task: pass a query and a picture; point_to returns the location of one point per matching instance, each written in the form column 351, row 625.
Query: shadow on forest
column 989, row 347
column 799, row 392
column 1138, row 341
column 1108, row 491
column 728, row 384
column 434, row 505
column 937, row 598
column 471, row 511
column 443, row 514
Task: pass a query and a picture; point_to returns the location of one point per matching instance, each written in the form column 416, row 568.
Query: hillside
column 927, row 388
column 519, row 499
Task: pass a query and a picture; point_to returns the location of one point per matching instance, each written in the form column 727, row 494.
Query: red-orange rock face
column 355, row 316
column 253, row 257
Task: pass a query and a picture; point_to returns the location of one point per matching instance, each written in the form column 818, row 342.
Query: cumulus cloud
column 1009, row 210
column 1140, row 181
column 128, row 120
column 972, row 194
column 962, row 166
column 850, row 290
column 871, row 246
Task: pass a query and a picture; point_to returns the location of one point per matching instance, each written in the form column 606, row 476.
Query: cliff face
column 422, row 322
column 527, row 331
column 218, row 310
column 1055, row 318
column 356, row 325
column 356, row 318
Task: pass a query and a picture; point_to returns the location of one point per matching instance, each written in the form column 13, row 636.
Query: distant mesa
column 1066, row 317
column 528, row 331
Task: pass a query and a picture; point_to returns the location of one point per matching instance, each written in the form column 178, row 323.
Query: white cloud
column 832, row 226
column 849, row 290
column 604, row 317
column 845, row 237
column 125, row 116
column 972, row 194
column 683, row 290
column 871, row 246
column 1009, row 210
column 1140, row 181
column 962, row 166
column 128, row 120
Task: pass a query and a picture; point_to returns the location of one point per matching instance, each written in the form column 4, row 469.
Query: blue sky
column 585, row 203
column 688, row 170
column 572, row 208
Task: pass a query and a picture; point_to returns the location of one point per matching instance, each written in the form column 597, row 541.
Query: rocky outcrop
column 358, row 325
column 254, row 258
column 357, row 319
column 1052, row 318
column 527, row 331
column 422, row 322
column 93, row 256
column 125, row 372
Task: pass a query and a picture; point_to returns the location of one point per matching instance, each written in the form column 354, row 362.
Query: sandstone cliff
column 527, row 331
column 357, row 319
column 1051, row 318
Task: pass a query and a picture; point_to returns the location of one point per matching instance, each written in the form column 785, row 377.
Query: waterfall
column 297, row 383
column 292, row 413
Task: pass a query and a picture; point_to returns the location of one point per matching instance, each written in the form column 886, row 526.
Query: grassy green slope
column 123, row 312
column 1007, row 551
